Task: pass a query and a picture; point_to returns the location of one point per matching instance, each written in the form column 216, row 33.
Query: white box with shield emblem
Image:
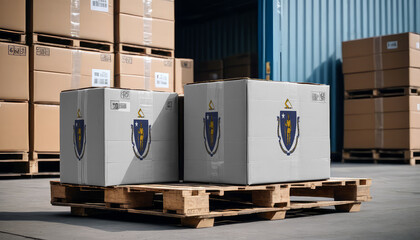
column 256, row 132
column 118, row 136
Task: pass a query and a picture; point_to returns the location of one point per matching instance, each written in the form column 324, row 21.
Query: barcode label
column 101, row 78
column 392, row 45
column 17, row 50
column 117, row 105
column 99, row 5
column 318, row 96
column 161, row 80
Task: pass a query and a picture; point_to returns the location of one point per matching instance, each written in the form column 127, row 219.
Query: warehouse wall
column 305, row 45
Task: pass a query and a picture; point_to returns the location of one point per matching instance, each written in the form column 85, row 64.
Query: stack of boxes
column 381, row 81
column 71, row 48
column 14, row 88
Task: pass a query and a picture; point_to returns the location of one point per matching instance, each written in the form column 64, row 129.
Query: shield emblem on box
column 141, row 136
column 79, row 136
column 288, row 129
column 211, row 130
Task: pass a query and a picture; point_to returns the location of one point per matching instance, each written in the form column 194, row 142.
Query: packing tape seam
column 147, row 22
column 147, row 8
column 76, row 68
column 147, row 72
column 379, row 121
column 75, row 18
column 379, row 79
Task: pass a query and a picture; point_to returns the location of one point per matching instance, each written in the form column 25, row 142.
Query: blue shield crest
column 288, row 130
column 211, row 132
column 140, row 137
column 79, row 137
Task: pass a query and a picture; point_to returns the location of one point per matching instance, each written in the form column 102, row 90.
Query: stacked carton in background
column 14, row 88
column 382, row 105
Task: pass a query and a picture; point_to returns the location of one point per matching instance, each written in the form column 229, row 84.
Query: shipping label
column 99, row 5
column 186, row 64
column 17, row 50
column 392, row 45
column 101, row 78
column 117, row 105
column 161, row 80
column 127, row 60
column 106, row 57
column 42, row 51
column 318, row 97
column 125, row 94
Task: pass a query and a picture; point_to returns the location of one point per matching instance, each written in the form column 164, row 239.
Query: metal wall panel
column 305, row 45
column 216, row 38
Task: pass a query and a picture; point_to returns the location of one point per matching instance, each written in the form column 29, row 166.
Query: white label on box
column 117, row 105
column 417, row 44
column 161, row 80
column 418, row 107
column 318, row 97
column 99, row 5
column 101, row 78
column 392, row 45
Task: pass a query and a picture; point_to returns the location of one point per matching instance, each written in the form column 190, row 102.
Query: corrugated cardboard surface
column 54, row 17
column 14, row 126
column 13, row 15
column 158, row 33
column 388, row 139
column 248, row 151
column 132, row 68
column 14, row 72
column 109, row 157
column 45, row 128
column 401, row 77
column 57, row 69
column 184, row 73
column 387, row 104
column 162, row 9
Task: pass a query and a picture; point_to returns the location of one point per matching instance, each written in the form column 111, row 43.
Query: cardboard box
column 90, row 19
column 162, row 9
column 386, row 139
column 14, row 127
column 256, row 132
column 45, row 130
column 402, row 59
column 56, row 69
column 116, row 136
column 184, row 73
column 382, row 44
column 151, row 32
column 13, row 15
column 210, row 70
column 244, row 65
column 14, row 72
column 145, row 72
column 401, row 77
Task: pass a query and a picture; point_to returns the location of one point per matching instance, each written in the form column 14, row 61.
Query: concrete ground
column 394, row 213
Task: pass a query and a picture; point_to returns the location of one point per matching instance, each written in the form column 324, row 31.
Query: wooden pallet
column 60, row 41
column 38, row 164
column 197, row 205
column 144, row 50
column 383, row 92
column 381, row 155
column 12, row 36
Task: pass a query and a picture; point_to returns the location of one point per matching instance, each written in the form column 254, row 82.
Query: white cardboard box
column 116, row 136
column 237, row 132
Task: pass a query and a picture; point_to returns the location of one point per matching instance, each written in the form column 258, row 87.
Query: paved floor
column 394, row 213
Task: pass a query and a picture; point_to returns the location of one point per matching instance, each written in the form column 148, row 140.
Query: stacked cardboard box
column 244, row 65
column 209, row 70
column 381, row 80
column 61, row 31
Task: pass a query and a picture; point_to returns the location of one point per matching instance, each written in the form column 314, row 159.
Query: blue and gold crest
column 79, row 136
column 211, row 130
column 141, row 133
column 288, row 129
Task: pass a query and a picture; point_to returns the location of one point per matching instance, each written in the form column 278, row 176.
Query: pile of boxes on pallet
column 382, row 82
column 71, row 46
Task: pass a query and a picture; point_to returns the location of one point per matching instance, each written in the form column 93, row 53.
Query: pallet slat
column 60, row 41
column 145, row 50
column 193, row 203
column 12, row 36
column 381, row 155
column 382, row 92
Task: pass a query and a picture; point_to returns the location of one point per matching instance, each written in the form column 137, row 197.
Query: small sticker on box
column 42, row 51
column 318, row 97
column 99, row 5
column 417, row 44
column 161, row 80
column 106, row 57
column 418, row 106
column 125, row 94
column 117, row 105
column 17, row 50
column 392, row 45
column 101, row 78
column 127, row 60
